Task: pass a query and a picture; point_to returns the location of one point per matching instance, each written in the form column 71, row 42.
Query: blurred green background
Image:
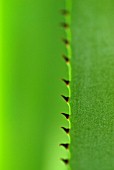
column 31, row 69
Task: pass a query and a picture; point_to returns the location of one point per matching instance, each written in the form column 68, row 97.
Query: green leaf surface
column 31, row 72
column 92, row 86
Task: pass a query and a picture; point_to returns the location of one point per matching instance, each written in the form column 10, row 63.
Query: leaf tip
column 65, row 12
column 67, row 82
column 65, row 25
column 66, row 115
column 65, row 98
column 65, row 145
column 66, row 161
column 66, row 42
column 67, row 60
column 67, row 130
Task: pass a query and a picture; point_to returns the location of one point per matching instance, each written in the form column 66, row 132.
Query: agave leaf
column 92, row 85
column 31, row 73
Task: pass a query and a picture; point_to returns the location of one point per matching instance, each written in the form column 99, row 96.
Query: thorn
column 65, row 98
column 65, row 12
column 67, row 82
column 66, row 161
column 66, row 115
column 66, row 42
column 67, row 130
column 65, row 25
column 66, row 59
column 65, row 145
